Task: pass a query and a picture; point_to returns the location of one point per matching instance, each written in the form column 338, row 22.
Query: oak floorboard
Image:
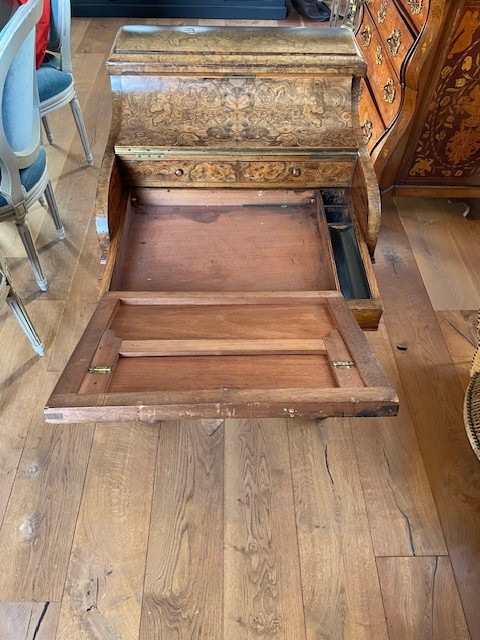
column 435, row 400
column 81, row 301
column 104, row 587
column 28, row 620
column 421, row 600
column 459, row 330
column 99, row 35
column 22, row 374
column 262, row 586
column 401, row 511
column 466, row 233
column 37, row 531
column 438, row 257
column 183, row 593
column 341, row 593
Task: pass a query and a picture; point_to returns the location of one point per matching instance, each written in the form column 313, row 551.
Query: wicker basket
column 471, row 407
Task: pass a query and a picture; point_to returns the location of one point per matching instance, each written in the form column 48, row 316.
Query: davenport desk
column 237, row 211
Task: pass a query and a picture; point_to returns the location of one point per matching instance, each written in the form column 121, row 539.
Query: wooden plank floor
column 365, row 529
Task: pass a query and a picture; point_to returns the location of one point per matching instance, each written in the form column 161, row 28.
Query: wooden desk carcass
column 237, row 211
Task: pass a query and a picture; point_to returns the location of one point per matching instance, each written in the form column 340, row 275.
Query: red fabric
column 41, row 35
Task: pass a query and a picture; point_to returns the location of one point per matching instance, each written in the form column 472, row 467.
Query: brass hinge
column 343, row 364
column 100, row 369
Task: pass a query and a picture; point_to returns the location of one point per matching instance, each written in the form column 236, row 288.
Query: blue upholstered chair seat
column 51, row 81
column 31, row 175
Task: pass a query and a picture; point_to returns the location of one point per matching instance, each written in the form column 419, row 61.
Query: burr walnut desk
column 237, row 211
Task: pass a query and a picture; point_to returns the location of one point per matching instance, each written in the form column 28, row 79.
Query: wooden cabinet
column 421, row 121
column 237, row 211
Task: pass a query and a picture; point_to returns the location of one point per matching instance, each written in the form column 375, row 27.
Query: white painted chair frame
column 15, row 33
column 69, row 95
column 10, row 296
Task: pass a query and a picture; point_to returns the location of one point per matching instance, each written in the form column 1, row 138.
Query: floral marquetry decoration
column 450, row 141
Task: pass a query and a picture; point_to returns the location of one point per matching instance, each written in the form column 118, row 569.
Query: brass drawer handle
column 296, row 172
column 382, row 12
column 366, row 36
column 179, row 172
column 389, row 91
column 394, row 42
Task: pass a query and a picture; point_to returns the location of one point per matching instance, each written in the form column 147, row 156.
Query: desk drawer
column 417, row 10
column 178, row 172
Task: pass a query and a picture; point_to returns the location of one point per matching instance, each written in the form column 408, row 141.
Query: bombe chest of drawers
column 237, row 210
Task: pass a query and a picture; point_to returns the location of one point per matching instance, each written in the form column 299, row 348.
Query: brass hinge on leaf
column 100, row 369
column 343, row 364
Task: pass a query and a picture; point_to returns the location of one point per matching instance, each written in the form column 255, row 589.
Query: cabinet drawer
column 178, row 172
column 370, row 120
column 381, row 73
column 417, row 10
column 394, row 32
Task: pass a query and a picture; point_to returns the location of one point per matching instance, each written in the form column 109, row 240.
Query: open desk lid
column 247, row 50
column 152, row 356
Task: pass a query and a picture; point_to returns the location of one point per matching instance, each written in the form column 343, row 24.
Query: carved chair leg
column 48, row 131
column 77, row 115
column 18, row 309
column 32, row 254
column 52, row 205
column 42, row 201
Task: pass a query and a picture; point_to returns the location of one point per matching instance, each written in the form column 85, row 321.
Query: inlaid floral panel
column 237, row 113
column 450, row 141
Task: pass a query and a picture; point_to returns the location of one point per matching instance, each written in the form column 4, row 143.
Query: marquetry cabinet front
column 420, row 101
column 237, row 212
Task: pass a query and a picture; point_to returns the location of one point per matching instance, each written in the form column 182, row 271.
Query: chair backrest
column 59, row 34
column 20, row 111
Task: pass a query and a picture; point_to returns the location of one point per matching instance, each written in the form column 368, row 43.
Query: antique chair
column 10, row 296
column 23, row 163
column 56, row 85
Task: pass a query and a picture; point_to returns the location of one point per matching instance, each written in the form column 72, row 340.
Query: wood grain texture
column 183, row 594
column 262, row 588
column 37, row 531
column 439, row 258
column 421, row 600
column 401, row 511
column 22, row 376
column 435, row 399
column 459, row 330
column 80, row 303
column 28, row 620
column 208, row 248
column 341, row 592
column 104, row 587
